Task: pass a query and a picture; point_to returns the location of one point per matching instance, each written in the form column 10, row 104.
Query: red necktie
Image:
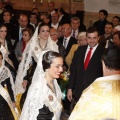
column 87, row 58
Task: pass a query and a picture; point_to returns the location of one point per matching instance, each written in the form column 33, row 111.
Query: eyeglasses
column 65, row 28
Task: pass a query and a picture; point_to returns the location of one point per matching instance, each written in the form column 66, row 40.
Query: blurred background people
column 81, row 40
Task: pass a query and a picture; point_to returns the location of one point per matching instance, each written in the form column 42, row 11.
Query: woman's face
column 26, row 36
column 44, row 32
column 82, row 40
column 3, row 32
column 56, row 68
column 6, row 17
column 0, row 60
column 116, row 40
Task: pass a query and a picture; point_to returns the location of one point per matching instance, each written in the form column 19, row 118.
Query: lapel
column 94, row 56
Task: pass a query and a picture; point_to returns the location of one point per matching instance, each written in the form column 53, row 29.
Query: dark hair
column 8, row 12
column 33, row 14
column 117, row 17
column 111, row 58
column 109, row 23
column 104, row 12
column 1, row 54
column 2, row 25
column 117, row 33
column 48, row 58
column 34, row 9
column 62, row 10
column 41, row 25
column 93, row 29
column 29, row 30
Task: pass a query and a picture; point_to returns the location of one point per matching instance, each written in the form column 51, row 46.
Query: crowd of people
column 36, row 49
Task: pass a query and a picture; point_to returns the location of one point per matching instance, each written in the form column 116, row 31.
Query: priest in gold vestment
column 101, row 100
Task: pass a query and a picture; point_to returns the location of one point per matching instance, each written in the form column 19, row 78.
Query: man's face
column 108, row 29
column 116, row 40
column 33, row 19
column 50, row 7
column 102, row 16
column 53, row 35
column 115, row 21
column 75, row 24
column 66, row 30
column 92, row 39
column 55, row 18
column 23, row 21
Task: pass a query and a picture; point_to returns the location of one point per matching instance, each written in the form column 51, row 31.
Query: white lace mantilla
column 38, row 96
column 32, row 50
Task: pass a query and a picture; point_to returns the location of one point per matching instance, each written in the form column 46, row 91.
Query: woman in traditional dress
column 43, row 100
column 40, row 41
column 6, row 49
column 7, row 100
column 102, row 98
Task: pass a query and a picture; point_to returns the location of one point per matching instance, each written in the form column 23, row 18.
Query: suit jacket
column 18, row 50
column 70, row 43
column 61, row 49
column 100, row 25
column 80, row 78
column 15, row 35
column 65, row 19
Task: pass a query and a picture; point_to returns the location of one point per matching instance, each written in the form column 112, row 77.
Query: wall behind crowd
column 112, row 6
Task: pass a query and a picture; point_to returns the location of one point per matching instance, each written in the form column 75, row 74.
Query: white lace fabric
column 38, row 96
column 32, row 50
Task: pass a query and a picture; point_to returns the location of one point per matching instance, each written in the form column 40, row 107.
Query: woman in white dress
column 43, row 100
column 7, row 99
column 40, row 41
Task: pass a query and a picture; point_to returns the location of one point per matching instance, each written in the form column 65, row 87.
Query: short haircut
column 8, row 12
column 109, row 23
column 75, row 18
column 117, row 18
column 93, row 29
column 104, row 12
column 48, row 59
column 29, row 30
column 33, row 14
column 117, row 33
column 81, row 34
column 111, row 58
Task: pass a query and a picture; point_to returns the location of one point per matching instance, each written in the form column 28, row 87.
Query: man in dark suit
column 54, row 34
column 17, row 32
column 33, row 20
column 77, row 27
column 100, row 24
column 81, row 76
column 63, row 16
column 67, row 40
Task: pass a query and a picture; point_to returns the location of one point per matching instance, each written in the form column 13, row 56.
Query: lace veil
column 37, row 94
column 32, row 50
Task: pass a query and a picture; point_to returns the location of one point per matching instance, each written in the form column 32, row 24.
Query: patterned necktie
column 65, row 42
column 87, row 58
column 20, row 35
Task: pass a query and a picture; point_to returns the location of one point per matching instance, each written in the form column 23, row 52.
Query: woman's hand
column 24, row 84
column 14, row 104
column 69, row 95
